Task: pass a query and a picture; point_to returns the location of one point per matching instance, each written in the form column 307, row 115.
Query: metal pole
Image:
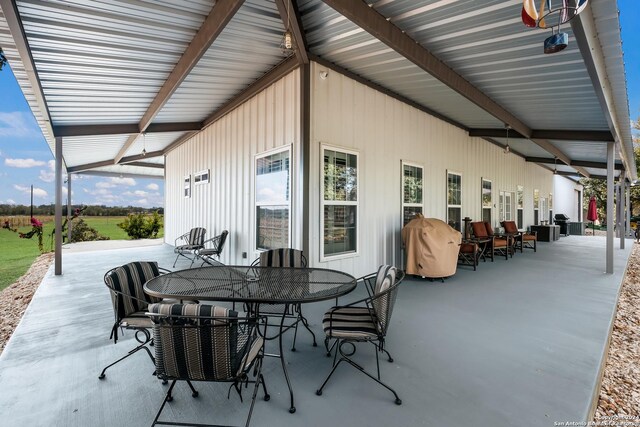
column 58, row 209
column 627, row 192
column 610, row 213
column 69, row 214
column 31, row 212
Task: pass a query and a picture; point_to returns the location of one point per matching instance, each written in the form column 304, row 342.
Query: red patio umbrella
column 592, row 213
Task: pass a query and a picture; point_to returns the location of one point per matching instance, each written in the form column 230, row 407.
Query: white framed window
column 339, row 203
column 454, row 200
column 506, row 206
column 520, row 205
column 487, row 199
column 273, row 199
column 187, row 186
column 550, row 199
column 412, row 191
column 536, row 207
column 201, row 177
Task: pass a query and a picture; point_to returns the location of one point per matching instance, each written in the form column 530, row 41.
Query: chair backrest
column 387, row 280
column 196, row 236
column 479, row 230
column 489, row 229
column 126, row 286
column 510, row 227
column 283, row 257
column 202, row 342
column 221, row 239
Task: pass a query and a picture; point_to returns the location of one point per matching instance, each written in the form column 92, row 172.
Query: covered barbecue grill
column 563, row 221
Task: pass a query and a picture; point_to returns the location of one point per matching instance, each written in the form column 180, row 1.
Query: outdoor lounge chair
column 195, row 342
column 125, row 284
column 469, row 254
column 366, row 320
column 523, row 240
column 207, row 255
column 189, row 243
column 490, row 244
column 285, row 257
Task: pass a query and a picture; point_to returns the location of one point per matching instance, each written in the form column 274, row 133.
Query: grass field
column 17, row 255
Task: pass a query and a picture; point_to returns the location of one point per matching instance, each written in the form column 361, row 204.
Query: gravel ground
column 619, row 394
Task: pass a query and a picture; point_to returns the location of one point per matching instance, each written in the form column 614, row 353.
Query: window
column 487, row 200
column 536, row 206
column 454, row 200
column 520, row 205
column 201, row 177
column 273, row 187
column 412, row 185
column 543, row 209
column 550, row 208
column 339, row 219
column 187, row 186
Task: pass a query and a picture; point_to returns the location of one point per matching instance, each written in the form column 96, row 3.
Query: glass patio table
column 254, row 286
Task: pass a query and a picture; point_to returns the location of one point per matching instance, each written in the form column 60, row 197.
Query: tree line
column 92, row 210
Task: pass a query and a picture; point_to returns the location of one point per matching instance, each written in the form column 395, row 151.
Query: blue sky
column 25, row 157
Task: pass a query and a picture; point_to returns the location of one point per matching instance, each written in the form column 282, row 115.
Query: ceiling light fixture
column 144, row 144
column 555, row 166
column 287, row 37
column 507, row 148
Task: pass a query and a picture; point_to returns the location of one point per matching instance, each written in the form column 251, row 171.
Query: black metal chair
column 207, row 255
column 366, row 320
column 189, row 243
column 285, row 257
column 130, row 303
column 197, row 342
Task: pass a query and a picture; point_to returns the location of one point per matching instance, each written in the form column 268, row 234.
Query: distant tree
column 3, row 59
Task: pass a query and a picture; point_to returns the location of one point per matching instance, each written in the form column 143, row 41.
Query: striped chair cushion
column 196, row 236
column 385, row 278
column 350, row 323
column 199, row 348
column 283, row 257
column 128, row 280
column 139, row 319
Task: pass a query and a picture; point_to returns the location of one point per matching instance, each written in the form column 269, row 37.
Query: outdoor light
column 507, row 148
column 555, row 166
column 288, row 40
column 144, row 144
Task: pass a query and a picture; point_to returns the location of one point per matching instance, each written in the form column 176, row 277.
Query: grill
column 563, row 221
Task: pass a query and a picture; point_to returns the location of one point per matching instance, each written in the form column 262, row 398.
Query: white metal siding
column 228, row 148
column 384, row 131
column 565, row 202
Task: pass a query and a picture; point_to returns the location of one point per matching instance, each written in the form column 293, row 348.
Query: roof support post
column 305, row 152
column 627, row 210
column 610, row 157
column 622, row 229
column 58, row 209
column 68, row 208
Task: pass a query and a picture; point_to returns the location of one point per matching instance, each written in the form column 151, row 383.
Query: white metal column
column 610, row 213
column 621, row 208
column 627, row 193
column 58, row 209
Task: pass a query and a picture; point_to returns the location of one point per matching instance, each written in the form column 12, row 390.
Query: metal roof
column 104, row 72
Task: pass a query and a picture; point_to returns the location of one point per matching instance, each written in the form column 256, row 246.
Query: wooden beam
column 128, row 143
column 218, row 18
column 562, row 135
column 123, row 128
column 280, row 70
column 149, row 155
column 582, row 163
column 120, row 174
column 291, row 20
column 146, row 165
column 377, row 25
column 89, row 166
column 382, row 89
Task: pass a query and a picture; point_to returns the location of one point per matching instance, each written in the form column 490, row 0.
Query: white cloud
column 37, row 192
column 18, row 124
column 50, row 174
column 123, row 181
column 153, row 187
column 9, row 202
column 142, row 202
column 104, row 184
column 23, row 163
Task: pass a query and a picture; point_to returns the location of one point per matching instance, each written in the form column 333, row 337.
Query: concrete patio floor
column 519, row 342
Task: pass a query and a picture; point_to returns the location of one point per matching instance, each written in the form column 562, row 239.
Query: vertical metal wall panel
column 228, row 147
column 384, row 131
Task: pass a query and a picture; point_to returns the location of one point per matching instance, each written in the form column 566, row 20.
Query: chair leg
column 168, row 398
column 142, row 346
column 344, row 357
column 194, row 392
column 176, row 261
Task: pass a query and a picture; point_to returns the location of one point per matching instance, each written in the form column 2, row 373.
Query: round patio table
column 254, row 286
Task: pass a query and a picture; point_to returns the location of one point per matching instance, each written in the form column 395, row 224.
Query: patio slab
column 517, row 342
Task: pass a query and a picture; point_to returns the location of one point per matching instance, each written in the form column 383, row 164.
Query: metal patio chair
column 366, row 320
column 285, row 257
column 207, row 255
column 190, row 243
column 195, row 342
column 130, row 303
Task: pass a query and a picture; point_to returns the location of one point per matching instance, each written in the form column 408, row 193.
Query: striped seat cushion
column 126, row 284
column 283, row 257
column 196, row 236
column 139, row 319
column 350, row 323
column 199, row 348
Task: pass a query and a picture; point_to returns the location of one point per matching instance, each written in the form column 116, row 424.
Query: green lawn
column 17, row 255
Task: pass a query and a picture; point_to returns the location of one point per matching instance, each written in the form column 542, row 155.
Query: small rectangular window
column 487, row 200
column 536, row 206
column 339, row 203
column 520, row 205
column 273, row 187
column 454, row 200
column 187, row 186
column 412, row 191
column 201, row 177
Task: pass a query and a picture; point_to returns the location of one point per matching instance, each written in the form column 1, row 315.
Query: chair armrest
column 183, row 237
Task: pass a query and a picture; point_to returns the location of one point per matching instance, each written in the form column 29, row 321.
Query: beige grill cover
column 431, row 247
